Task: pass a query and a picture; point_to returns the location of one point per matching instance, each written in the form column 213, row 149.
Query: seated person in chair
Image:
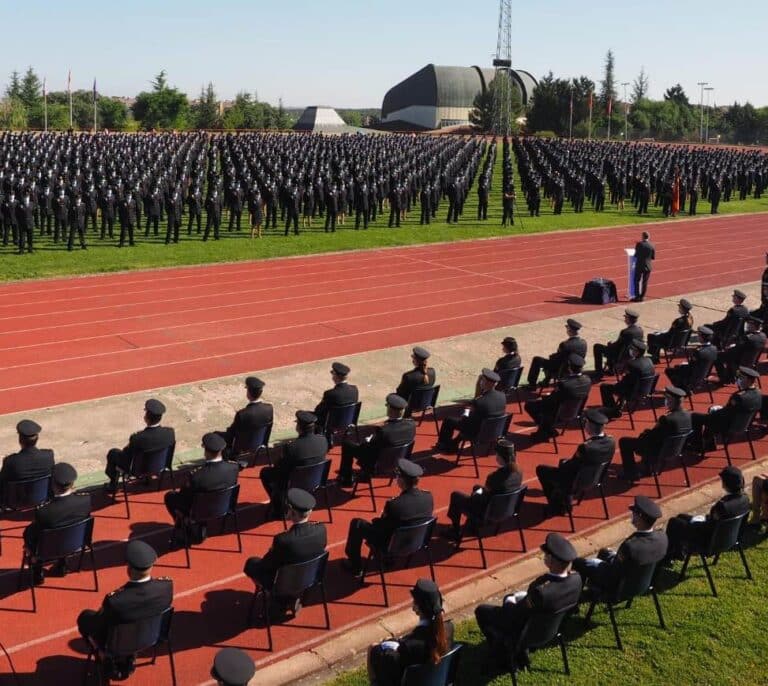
column 308, row 449
column 66, row 507
column 507, row 477
column 342, row 393
column 255, row 415
column 303, row 542
column 616, row 351
column 426, row 644
column 553, row 364
column 745, row 351
column 745, row 400
column 153, row 437
column 573, row 387
column 684, row 530
column 395, row 431
column 490, row 403
column 660, row 340
column 141, row 598
column 734, row 317
column 550, row 593
column 557, row 482
column 510, row 360
column 215, row 475
column 614, row 395
column 699, row 361
column 30, row 462
column 420, row 377
column 649, row 442
column 412, row 506
column 645, row 546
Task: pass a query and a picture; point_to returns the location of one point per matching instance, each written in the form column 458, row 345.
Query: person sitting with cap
column 395, row 431
column 232, row 667
column 685, row 531
column 616, row 352
column 573, row 387
column 30, row 462
column 645, row 546
column 557, row 482
column 216, row 474
column 550, row 593
column 141, row 597
column 342, row 393
column 677, row 421
column 700, row 361
column 745, row 351
column 660, row 340
column 308, row 449
column 304, row 541
column 555, row 363
column 510, row 360
column 490, row 403
column 153, row 437
column 66, row 507
column 507, row 477
column 250, row 419
column 420, row 377
column 732, row 321
column 411, row 506
column 613, row 395
column 744, row 401
column 425, row 645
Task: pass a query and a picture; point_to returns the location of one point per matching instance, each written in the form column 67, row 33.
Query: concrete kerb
column 348, row 651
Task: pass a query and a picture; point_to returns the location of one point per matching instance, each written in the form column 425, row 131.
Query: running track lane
column 90, row 337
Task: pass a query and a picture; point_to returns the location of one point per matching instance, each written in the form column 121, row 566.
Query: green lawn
column 708, row 640
column 103, row 256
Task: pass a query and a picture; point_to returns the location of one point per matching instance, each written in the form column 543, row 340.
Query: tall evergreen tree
column 640, row 86
column 13, row 89
column 205, row 113
column 30, row 92
column 608, row 84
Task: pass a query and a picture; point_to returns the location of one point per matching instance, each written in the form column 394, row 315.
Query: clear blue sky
column 347, row 54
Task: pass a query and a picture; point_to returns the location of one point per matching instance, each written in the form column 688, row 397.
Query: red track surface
column 91, row 337
column 212, row 597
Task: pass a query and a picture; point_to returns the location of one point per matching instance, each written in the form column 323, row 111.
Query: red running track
column 91, row 337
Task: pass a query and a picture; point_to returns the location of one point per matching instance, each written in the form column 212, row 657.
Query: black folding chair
column 588, row 477
column 128, row 640
column 144, row 466
column 422, row 400
column 441, row 674
column 246, row 449
column 292, row 582
column 725, row 537
column 340, row 419
column 740, row 424
column 491, row 429
column 678, row 343
column 311, row 478
column 643, row 390
column 730, row 333
column 510, row 383
column 699, row 381
column 211, row 505
column 672, row 447
column 386, row 462
column 59, row 544
column 25, row 494
column 540, row 630
column 568, row 412
column 405, row 541
column 637, row 580
column 501, row 507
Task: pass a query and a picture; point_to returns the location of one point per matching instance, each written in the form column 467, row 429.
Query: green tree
column 483, row 112
column 13, row 114
column 677, row 94
column 162, row 107
column 352, row 117
column 205, row 112
column 30, row 91
column 13, row 90
column 282, row 120
column 640, row 87
column 608, row 83
column 550, row 105
column 112, row 114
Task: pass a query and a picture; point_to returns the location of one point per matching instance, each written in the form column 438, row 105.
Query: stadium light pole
column 626, row 109
column 701, row 109
column 706, row 130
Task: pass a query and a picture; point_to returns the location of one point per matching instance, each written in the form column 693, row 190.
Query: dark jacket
column 635, row 370
column 492, row 403
column 414, row 380
column 341, row 394
column 302, row 542
column 645, row 254
column 247, row 421
column 595, row 450
column 56, row 513
column 149, row 439
column 28, row 463
column 650, row 440
column 305, row 450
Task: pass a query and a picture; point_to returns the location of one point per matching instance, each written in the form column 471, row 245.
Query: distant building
column 322, row 120
column 436, row 96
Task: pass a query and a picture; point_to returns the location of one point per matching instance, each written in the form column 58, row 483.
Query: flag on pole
column 590, row 102
column 45, row 92
column 94, row 90
column 571, row 105
column 69, row 81
column 610, row 105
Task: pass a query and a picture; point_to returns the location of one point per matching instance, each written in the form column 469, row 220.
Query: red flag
column 610, row 105
column 590, row 101
column 571, row 101
column 69, row 81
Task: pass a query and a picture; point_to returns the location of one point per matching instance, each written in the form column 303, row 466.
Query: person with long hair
column 660, row 340
column 426, row 644
column 510, row 360
column 420, row 377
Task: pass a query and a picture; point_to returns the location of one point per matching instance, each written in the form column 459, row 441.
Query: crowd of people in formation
column 732, row 346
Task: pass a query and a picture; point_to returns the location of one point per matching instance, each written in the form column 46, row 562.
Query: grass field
column 708, row 640
column 103, row 256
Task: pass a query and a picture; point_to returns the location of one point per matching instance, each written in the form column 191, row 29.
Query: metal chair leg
column 564, row 653
column 615, row 626
column 744, row 561
column 709, row 575
column 482, row 550
column 658, row 608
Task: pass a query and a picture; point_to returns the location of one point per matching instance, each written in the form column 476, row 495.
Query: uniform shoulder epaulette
column 163, row 578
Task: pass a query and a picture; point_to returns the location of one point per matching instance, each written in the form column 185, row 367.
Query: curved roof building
column 437, row 96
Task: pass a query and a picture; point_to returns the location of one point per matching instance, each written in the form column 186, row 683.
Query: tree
column 13, row 89
column 483, row 112
column 30, row 92
column 608, row 84
column 677, row 94
column 112, row 113
column 13, row 114
column 282, row 120
column 640, row 87
column 352, row 117
column 205, row 113
column 162, row 107
column 549, row 108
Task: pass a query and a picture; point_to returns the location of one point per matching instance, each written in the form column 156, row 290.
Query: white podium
column 630, row 272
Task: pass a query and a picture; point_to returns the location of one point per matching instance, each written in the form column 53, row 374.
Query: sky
column 348, row 54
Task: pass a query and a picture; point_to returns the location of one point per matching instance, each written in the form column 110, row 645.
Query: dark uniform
column 745, row 352
column 616, row 351
column 30, row 462
column 553, row 365
column 613, row 395
column 570, row 388
column 741, row 403
column 248, row 421
column 661, row 340
column 645, row 254
column 26, row 221
column 214, row 475
column 56, row 513
column 492, row 403
column 734, row 317
column 700, row 360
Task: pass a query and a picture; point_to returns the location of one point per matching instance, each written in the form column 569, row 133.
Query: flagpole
column 589, row 129
column 69, row 91
column 570, row 118
column 610, row 108
column 45, row 105
column 94, row 106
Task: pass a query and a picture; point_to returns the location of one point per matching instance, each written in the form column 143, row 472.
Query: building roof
column 322, row 119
